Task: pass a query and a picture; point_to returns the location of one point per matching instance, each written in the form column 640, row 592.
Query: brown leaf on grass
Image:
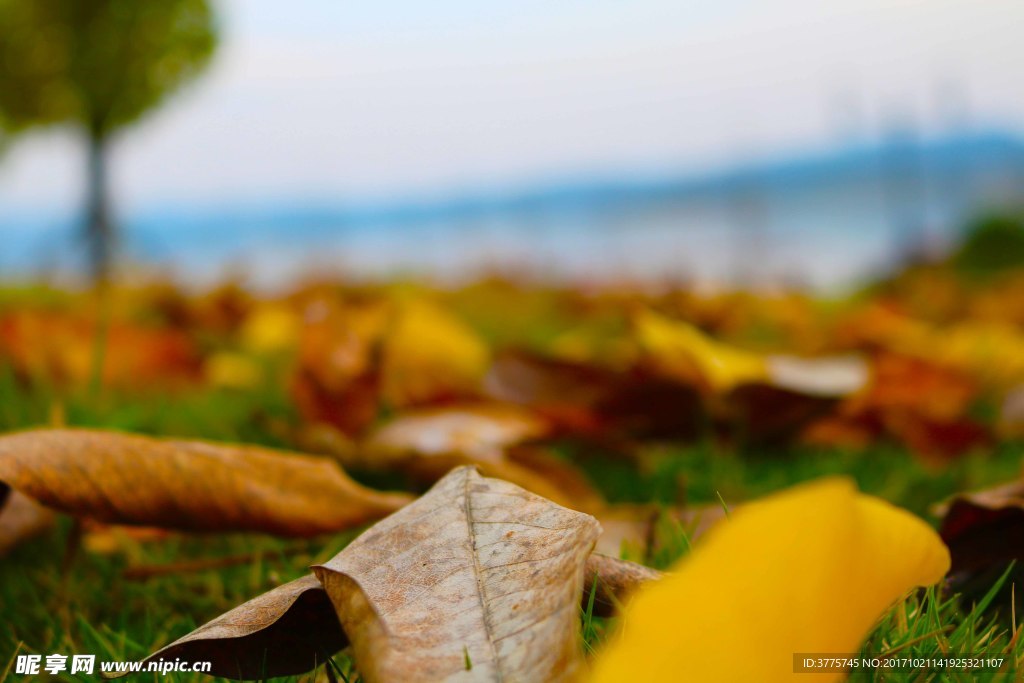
column 336, row 380
column 915, row 402
column 189, row 485
column 477, row 575
column 21, row 518
column 984, row 528
column 760, row 397
column 428, row 443
column 588, row 398
column 287, row 631
column 479, row 431
column 612, row 581
column 291, row 629
column 795, row 393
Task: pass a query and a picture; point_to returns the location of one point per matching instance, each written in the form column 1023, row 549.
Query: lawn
column 122, row 594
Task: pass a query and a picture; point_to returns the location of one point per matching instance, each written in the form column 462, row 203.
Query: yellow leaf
column 430, row 355
column 270, row 328
column 232, row 371
column 680, row 349
column 808, row 570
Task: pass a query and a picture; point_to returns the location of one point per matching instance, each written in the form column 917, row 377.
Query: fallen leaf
column 55, row 348
column 915, row 402
column 613, row 582
column 831, row 377
column 428, row 355
column 287, row 631
column 336, row 379
column 270, row 328
column 761, row 398
column 967, row 346
column 1011, row 414
column 680, row 350
column 584, row 397
column 984, row 528
column 293, row 628
column 479, row 431
column 428, row 443
column 769, row 583
column 477, row 574
column 190, row 485
column 21, row 518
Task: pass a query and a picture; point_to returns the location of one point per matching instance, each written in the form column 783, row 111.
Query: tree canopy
column 97, row 63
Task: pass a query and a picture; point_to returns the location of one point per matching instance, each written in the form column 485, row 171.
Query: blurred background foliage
column 97, row 66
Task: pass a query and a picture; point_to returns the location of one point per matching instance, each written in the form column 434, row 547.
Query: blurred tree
column 992, row 245
column 98, row 65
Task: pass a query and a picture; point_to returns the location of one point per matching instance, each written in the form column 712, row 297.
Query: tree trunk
column 99, row 227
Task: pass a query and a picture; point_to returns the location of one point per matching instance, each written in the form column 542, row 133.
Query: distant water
column 823, row 222
column 825, row 249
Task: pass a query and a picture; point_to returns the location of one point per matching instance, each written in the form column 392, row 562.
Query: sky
column 324, row 100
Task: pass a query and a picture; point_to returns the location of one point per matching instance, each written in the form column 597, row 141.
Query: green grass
column 93, row 608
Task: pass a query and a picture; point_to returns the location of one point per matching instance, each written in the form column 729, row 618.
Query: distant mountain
column 981, row 153
column 819, row 216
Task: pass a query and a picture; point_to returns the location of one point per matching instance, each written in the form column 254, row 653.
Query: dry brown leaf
column 291, row 629
column 429, row 443
column 336, row 379
column 476, row 580
column 612, row 581
column 481, row 432
column 984, row 528
column 21, row 518
column 287, row 631
column 190, row 485
column 760, row 398
column 583, row 397
column 918, row 403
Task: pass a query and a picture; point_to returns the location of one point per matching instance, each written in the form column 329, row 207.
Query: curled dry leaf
column 189, row 485
column 613, row 580
column 287, row 631
column 984, row 528
column 293, row 628
column 21, row 518
column 477, row 580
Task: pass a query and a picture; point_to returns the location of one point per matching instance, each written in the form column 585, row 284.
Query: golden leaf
column 808, row 570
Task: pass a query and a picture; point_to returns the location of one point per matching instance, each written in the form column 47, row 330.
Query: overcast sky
column 349, row 101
